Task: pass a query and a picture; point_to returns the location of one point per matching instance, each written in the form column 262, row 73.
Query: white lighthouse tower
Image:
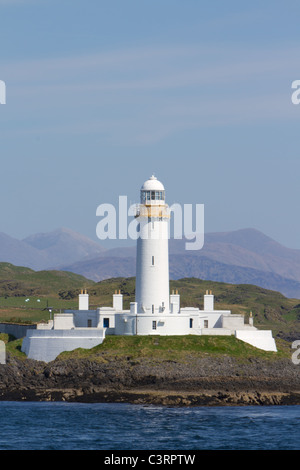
column 152, row 262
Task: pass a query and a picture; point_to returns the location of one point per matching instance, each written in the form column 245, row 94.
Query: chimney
column 118, row 301
column 209, row 301
column 83, row 300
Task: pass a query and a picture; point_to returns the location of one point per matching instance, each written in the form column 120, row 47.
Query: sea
column 120, row 426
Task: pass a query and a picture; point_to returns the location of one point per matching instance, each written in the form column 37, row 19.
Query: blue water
column 68, row 426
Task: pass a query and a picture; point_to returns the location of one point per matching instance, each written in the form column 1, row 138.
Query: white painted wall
column 45, row 326
column 106, row 313
column 216, row 332
column 261, row 339
column 63, row 321
column 176, row 324
column 233, row 322
column 125, row 324
column 46, row 345
column 84, row 318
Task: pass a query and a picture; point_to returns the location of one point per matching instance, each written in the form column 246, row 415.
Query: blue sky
column 101, row 94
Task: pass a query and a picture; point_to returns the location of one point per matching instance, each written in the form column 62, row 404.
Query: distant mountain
column 251, row 248
column 20, row 253
column 47, row 250
column 103, row 267
column 63, row 246
column 242, row 256
column 182, row 266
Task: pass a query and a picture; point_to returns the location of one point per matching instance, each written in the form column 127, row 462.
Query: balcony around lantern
column 155, row 211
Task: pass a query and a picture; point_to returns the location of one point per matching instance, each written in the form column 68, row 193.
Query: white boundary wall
column 46, row 345
column 2, row 353
column 261, row 339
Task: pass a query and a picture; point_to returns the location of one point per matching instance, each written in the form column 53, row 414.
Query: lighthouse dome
column 152, row 184
column 152, row 191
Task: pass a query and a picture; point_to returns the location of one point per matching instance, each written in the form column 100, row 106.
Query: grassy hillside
column 58, row 289
column 25, row 293
column 19, row 281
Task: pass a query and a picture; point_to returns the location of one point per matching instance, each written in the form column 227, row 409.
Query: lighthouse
column 152, row 260
column 154, row 312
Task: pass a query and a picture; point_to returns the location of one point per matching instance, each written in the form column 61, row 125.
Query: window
column 105, row 322
column 154, row 325
column 205, row 323
column 152, row 260
column 191, row 323
column 89, row 323
column 145, row 196
column 152, row 308
column 152, row 196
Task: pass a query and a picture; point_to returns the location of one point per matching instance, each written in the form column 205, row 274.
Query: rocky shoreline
column 208, row 381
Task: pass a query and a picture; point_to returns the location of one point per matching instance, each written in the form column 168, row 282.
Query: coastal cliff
column 211, row 381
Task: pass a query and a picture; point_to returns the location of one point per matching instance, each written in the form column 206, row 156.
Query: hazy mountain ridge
column 182, row 266
column 63, row 246
column 47, row 250
column 241, row 256
column 244, row 256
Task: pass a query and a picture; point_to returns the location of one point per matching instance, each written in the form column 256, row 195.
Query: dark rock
column 199, row 381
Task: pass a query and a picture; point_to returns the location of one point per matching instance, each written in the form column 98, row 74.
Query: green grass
column 12, row 345
column 4, row 337
column 36, row 302
column 58, row 289
column 19, row 310
column 162, row 348
column 178, row 348
column 14, row 348
column 17, row 281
